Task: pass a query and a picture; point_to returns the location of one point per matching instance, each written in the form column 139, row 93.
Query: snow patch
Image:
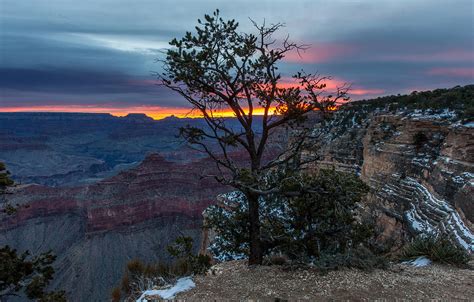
column 448, row 218
column 469, row 125
column 182, row 285
column 429, row 114
column 418, row 262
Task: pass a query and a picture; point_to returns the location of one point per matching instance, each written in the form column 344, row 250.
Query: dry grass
column 235, row 281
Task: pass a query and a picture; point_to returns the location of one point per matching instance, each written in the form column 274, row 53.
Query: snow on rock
column 182, row 285
column 469, row 125
column 443, row 217
column 418, row 262
column 430, row 114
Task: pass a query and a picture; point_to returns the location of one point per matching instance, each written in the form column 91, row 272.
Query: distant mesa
column 138, row 117
column 172, row 118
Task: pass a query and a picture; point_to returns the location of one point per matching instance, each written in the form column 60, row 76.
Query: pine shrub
column 314, row 219
column 436, row 248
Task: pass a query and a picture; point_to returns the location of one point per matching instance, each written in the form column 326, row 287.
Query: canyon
column 100, row 190
column 96, row 229
column 71, row 149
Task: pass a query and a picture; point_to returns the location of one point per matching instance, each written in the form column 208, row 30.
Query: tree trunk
column 255, row 257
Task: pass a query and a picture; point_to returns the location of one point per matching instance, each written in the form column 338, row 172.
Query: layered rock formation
column 419, row 165
column 71, row 149
column 96, row 229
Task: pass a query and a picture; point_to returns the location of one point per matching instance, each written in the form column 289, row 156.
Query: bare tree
column 218, row 69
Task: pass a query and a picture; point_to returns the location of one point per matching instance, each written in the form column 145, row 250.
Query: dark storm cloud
column 71, row 80
column 102, row 52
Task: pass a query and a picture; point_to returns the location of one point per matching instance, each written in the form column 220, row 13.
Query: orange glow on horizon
column 158, row 112
column 154, row 112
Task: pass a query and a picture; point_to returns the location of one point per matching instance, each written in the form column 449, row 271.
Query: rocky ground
column 235, row 281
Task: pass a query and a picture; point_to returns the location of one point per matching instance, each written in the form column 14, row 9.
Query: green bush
column 30, row 274
column 24, row 272
column 458, row 99
column 182, row 248
column 311, row 218
column 438, row 249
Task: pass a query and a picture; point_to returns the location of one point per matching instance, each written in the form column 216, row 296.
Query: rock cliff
column 420, row 166
column 96, row 229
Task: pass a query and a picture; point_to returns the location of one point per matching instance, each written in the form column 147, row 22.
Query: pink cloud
column 144, row 82
column 319, row 53
column 453, row 72
column 453, row 55
column 366, row 91
column 334, row 83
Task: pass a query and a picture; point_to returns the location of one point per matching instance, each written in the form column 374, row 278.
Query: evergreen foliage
column 458, row 99
column 419, row 139
column 5, row 182
column 437, row 249
column 5, row 179
column 218, row 68
column 23, row 273
column 314, row 219
column 182, row 250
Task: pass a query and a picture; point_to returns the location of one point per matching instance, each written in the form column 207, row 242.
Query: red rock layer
column 156, row 188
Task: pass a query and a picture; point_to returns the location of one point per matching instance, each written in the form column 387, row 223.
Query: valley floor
column 235, row 281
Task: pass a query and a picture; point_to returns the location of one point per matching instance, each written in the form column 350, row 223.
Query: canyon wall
column 96, row 229
column 420, row 167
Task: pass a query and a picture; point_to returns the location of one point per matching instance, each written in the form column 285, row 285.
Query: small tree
column 219, row 69
column 316, row 215
column 5, row 182
column 23, row 272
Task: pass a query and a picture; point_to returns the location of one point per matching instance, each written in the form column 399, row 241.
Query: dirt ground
column 235, row 281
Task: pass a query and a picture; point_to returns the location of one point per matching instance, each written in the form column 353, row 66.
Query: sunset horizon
column 62, row 54
column 205, row 150
column 158, row 113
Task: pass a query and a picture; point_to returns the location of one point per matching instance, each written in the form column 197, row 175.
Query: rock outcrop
column 420, row 167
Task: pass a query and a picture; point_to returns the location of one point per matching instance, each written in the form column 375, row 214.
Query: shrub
column 419, row 139
column 5, row 180
column 459, row 99
column 116, row 294
column 437, row 249
column 23, row 272
column 360, row 257
column 139, row 276
column 312, row 217
column 182, row 250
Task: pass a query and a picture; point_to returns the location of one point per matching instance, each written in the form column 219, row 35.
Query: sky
column 99, row 55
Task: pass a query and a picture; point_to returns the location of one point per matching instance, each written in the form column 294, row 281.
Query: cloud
column 449, row 55
column 100, row 53
column 71, row 80
column 324, row 52
column 462, row 72
column 118, row 42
